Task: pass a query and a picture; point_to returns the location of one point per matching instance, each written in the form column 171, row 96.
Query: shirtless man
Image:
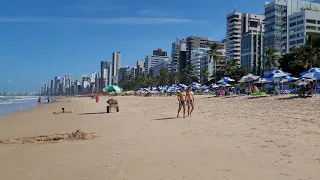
column 190, row 100
column 182, row 97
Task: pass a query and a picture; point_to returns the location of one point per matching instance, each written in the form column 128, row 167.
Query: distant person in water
column 39, row 100
column 190, row 100
column 182, row 101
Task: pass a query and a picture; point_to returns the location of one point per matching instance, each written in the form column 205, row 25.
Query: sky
column 42, row 39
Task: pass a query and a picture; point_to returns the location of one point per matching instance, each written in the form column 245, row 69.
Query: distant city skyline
column 41, row 39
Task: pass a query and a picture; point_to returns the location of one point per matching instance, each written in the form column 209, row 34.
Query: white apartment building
column 151, row 61
column 200, row 59
column 163, row 64
column 237, row 24
column 302, row 23
column 175, row 53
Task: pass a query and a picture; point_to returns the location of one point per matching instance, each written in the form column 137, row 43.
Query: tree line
column 300, row 59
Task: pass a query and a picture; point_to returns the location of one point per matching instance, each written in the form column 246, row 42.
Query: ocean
column 11, row 104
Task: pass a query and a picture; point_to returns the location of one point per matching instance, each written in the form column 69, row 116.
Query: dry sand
column 226, row 138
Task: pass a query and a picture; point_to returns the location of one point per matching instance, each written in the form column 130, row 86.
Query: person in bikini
column 182, row 97
column 190, row 100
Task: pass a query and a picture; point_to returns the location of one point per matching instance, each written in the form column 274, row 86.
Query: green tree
column 205, row 74
column 214, row 55
column 271, row 58
column 163, row 78
column 188, row 75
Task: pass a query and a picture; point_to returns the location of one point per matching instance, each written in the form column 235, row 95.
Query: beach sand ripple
column 77, row 135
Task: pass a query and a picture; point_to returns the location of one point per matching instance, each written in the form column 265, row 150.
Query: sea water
column 11, row 104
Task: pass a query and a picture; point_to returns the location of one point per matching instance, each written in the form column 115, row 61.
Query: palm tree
column 205, row 74
column 271, row 58
column 214, row 55
column 312, row 47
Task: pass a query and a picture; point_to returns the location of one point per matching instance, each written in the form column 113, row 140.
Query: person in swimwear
column 190, row 100
column 182, row 97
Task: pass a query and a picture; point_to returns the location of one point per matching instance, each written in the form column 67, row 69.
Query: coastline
column 11, row 108
column 276, row 137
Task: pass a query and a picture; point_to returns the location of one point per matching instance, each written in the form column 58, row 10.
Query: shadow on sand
column 163, row 119
column 93, row 113
column 293, row 97
column 256, row 97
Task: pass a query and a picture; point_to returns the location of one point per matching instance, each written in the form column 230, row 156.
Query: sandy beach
column 237, row 138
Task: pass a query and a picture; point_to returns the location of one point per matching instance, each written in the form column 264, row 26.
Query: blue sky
column 40, row 39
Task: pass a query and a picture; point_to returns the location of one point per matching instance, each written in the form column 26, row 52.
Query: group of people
column 40, row 100
column 186, row 98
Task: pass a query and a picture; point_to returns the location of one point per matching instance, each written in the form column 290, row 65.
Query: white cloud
column 122, row 20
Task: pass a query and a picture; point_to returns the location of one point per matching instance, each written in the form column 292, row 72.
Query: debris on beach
column 77, row 135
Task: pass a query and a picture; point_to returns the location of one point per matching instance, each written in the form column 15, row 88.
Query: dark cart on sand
column 112, row 104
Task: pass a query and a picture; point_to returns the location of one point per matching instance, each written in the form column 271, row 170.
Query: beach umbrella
column 116, row 89
column 303, row 81
column 261, row 81
column 225, row 84
column 212, row 86
column 288, row 79
column 313, row 73
column 277, row 74
column 226, row 80
column 204, row 87
column 249, row 78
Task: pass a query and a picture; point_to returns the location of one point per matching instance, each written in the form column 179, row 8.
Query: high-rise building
column 98, row 83
column 86, row 82
column 160, row 52
column 252, row 52
column 151, row 61
column 106, row 74
column 238, row 24
column 126, row 72
column 175, row 52
column 301, row 24
column 93, row 76
column 277, row 24
column 116, row 64
column 201, row 61
column 182, row 60
column 52, row 87
column 163, row 64
column 193, row 43
column 140, row 67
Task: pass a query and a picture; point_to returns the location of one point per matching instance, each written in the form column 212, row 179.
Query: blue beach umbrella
column 212, row 86
column 248, row 78
column 225, row 84
column 313, row 73
column 288, row 79
column 277, row 74
column 261, row 81
column 226, row 80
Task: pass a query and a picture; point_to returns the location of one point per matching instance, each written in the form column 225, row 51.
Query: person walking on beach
column 48, row 99
column 39, row 100
column 182, row 97
column 190, row 100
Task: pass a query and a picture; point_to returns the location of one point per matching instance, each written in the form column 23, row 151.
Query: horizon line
column 117, row 20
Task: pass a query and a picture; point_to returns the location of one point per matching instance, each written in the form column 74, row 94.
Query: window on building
column 292, row 43
column 300, row 28
column 300, row 34
column 300, row 16
column 293, row 24
column 293, row 36
column 293, row 18
column 318, row 28
column 311, row 27
column 311, row 21
column 299, row 22
column 300, row 41
column 318, row 22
